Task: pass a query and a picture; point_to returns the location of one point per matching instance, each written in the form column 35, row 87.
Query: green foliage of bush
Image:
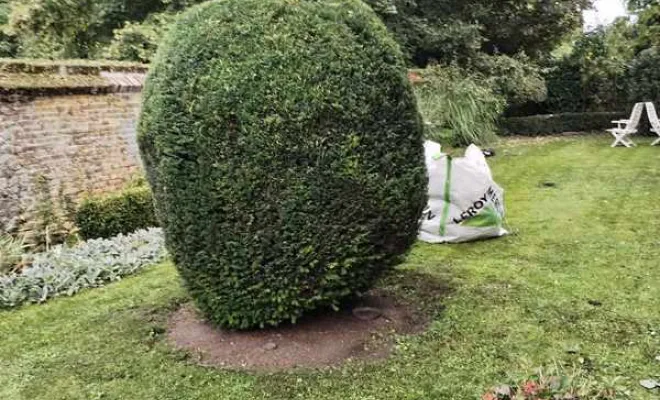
column 644, row 77
column 517, row 79
column 534, row 27
column 12, row 252
column 542, row 125
column 426, row 37
column 4, row 12
column 7, row 43
column 638, row 5
column 123, row 212
column 592, row 77
column 458, row 109
column 284, row 148
column 457, row 30
column 138, row 41
column 77, row 29
column 440, row 30
column 564, row 82
column 648, row 26
column 7, row 47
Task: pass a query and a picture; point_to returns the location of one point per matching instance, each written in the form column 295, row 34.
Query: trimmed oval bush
column 285, row 152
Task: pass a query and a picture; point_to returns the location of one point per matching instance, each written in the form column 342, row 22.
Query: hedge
column 109, row 215
column 541, row 125
column 285, row 151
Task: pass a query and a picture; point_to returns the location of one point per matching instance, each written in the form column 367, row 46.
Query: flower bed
column 67, row 270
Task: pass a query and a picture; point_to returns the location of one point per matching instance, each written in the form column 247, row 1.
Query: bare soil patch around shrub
column 364, row 330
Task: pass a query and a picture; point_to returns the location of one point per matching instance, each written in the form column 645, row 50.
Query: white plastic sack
column 465, row 203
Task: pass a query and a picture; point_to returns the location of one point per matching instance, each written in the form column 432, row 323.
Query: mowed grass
column 577, row 286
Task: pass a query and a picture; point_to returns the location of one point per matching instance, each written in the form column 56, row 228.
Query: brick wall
column 66, row 136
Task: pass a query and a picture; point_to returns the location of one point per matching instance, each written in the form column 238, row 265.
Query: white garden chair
column 655, row 122
column 627, row 127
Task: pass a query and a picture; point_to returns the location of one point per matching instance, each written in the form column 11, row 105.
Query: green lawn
column 516, row 303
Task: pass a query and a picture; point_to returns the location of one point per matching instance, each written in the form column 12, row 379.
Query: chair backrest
column 635, row 117
column 653, row 116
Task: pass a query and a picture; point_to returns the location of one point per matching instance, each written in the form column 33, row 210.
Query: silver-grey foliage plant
column 66, row 270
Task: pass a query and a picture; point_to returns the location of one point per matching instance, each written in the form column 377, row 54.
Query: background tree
column 462, row 33
column 76, row 28
column 517, row 79
column 592, row 76
column 428, row 28
column 445, row 31
column 7, row 42
column 534, row 27
column 429, row 32
column 648, row 27
column 644, row 76
column 637, row 5
column 138, row 41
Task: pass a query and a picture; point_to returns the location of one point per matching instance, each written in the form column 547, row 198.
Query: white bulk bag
column 465, row 203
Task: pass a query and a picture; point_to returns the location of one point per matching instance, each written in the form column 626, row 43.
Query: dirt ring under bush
column 363, row 331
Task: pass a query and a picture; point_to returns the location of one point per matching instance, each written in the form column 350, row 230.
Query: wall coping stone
column 25, row 77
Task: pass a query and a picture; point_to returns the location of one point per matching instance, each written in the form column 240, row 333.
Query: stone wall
column 65, row 133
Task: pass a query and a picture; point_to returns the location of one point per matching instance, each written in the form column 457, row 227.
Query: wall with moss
column 66, row 130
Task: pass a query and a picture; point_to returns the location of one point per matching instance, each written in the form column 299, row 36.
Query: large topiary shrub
column 284, row 148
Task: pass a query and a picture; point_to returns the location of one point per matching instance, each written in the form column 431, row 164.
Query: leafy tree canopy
column 444, row 30
column 637, row 5
column 432, row 29
column 76, row 28
column 648, row 27
column 7, row 44
column 592, row 76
